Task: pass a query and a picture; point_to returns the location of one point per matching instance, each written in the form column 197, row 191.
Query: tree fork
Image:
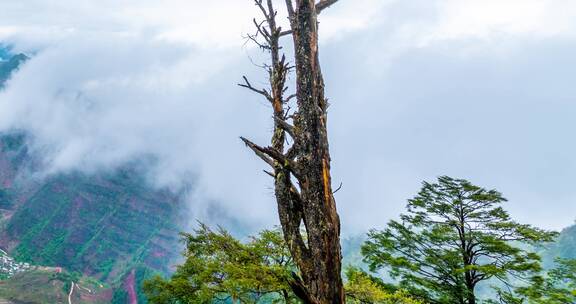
column 317, row 254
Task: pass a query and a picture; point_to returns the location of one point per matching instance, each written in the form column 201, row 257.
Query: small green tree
column 362, row 288
column 219, row 268
column 454, row 236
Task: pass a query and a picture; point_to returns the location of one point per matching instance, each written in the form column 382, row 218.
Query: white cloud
column 117, row 79
column 219, row 24
column 96, row 103
column 488, row 21
column 461, row 19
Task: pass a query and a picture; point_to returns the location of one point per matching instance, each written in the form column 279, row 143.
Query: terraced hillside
column 102, row 225
column 97, row 225
column 111, row 226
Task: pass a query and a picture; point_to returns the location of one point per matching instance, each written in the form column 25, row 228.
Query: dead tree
column 299, row 153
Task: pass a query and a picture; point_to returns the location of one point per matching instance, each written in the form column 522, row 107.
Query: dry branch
column 324, row 4
column 307, row 160
column 249, row 86
column 258, row 151
column 285, row 126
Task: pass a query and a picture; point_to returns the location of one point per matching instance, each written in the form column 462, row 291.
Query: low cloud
column 417, row 90
column 96, row 103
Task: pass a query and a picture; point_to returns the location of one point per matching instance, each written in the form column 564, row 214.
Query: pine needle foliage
column 454, row 236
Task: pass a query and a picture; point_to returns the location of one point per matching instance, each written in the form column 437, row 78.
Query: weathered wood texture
column 306, row 208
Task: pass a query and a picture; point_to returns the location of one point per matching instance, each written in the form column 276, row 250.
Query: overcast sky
column 477, row 89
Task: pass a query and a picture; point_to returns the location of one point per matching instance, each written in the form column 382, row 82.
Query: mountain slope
column 564, row 247
column 103, row 225
column 112, row 226
column 97, row 225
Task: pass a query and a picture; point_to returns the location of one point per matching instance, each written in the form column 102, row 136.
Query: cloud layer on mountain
column 480, row 90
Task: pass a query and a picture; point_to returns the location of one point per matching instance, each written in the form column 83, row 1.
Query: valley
column 91, row 238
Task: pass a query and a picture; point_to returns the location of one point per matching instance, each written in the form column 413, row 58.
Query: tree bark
column 320, row 207
column 316, row 251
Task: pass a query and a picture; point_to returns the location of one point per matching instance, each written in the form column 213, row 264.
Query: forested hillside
column 113, row 226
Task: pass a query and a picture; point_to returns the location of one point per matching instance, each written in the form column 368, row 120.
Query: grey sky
column 482, row 90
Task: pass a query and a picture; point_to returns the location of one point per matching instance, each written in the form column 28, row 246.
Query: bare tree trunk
column 320, row 207
column 311, row 203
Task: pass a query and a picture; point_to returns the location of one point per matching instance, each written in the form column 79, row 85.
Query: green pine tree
column 454, row 236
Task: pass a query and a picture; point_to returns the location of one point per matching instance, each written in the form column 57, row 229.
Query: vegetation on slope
column 98, row 226
column 103, row 225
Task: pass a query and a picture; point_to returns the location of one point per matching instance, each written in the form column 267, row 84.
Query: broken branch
column 290, row 9
column 290, row 97
column 269, row 155
column 257, row 150
column 324, row 4
column 249, row 86
column 339, row 187
column 285, row 126
column 261, row 7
